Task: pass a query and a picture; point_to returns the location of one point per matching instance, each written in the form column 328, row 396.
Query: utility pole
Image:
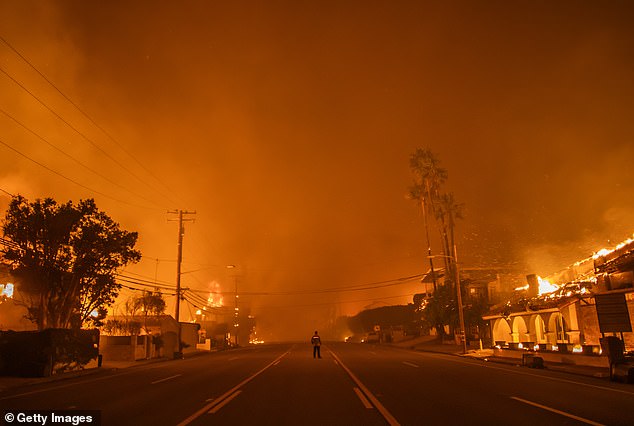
column 463, row 335
column 179, row 259
column 429, row 256
column 236, row 311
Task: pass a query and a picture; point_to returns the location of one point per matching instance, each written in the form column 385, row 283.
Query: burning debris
column 607, row 269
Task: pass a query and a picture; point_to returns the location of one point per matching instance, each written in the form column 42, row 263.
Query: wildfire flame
column 604, row 251
column 546, row 286
column 214, row 300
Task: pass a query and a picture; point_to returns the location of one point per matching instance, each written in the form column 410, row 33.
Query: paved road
column 353, row 384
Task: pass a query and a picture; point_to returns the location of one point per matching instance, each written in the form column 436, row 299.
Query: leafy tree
column 65, row 257
column 150, row 304
column 385, row 316
column 114, row 327
column 439, row 310
column 442, row 310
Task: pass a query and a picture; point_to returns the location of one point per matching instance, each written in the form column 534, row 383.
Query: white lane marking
column 386, row 414
column 230, row 392
column 522, row 373
column 411, row 364
column 362, row 397
column 233, row 358
column 373, row 353
column 223, row 403
column 275, row 363
column 166, row 379
column 64, row 386
column 563, row 413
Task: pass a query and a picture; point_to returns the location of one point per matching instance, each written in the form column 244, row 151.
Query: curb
column 575, row 370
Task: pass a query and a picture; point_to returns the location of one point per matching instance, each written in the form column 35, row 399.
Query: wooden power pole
column 179, row 259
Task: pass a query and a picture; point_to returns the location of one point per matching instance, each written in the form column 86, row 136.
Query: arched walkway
column 520, row 330
column 501, row 331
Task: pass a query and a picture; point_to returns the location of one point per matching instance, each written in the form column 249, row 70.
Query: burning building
column 559, row 312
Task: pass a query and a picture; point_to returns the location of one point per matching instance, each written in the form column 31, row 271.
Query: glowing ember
column 522, row 288
column 546, row 286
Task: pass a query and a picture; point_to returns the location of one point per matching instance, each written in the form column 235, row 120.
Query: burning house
column 559, row 313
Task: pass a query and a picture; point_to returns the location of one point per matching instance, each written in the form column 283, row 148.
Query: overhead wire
column 61, row 151
column 90, row 119
column 144, row 278
column 72, row 180
column 7, row 193
column 86, row 138
column 357, row 287
column 334, row 302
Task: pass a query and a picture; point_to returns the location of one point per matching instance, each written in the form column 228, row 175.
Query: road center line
column 230, row 392
column 386, row 414
column 563, row 413
column 411, row 364
column 166, row 379
column 223, row 403
column 362, row 397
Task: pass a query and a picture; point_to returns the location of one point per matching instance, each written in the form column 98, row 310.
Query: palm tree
column 447, row 212
column 428, row 177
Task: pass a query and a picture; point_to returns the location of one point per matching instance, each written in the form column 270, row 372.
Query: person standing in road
column 316, row 342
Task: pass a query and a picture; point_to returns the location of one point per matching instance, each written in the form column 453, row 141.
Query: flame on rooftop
column 546, row 286
column 605, row 251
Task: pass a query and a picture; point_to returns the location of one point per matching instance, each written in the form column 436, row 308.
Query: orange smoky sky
column 288, row 125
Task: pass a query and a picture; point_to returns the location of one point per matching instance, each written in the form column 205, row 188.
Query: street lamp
column 236, row 312
column 463, row 336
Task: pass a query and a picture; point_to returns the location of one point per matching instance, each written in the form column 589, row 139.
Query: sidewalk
column 431, row 344
column 7, row 383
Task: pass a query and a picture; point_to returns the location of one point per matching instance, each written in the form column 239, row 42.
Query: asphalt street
column 352, row 384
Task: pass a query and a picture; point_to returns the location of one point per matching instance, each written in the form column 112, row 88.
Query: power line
column 357, row 287
column 334, row 303
column 142, row 284
column 8, row 193
column 141, row 289
column 83, row 112
column 73, row 158
column 94, row 144
column 71, row 180
column 148, row 279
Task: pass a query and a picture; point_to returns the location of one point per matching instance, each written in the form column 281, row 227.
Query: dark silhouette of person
column 316, row 342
